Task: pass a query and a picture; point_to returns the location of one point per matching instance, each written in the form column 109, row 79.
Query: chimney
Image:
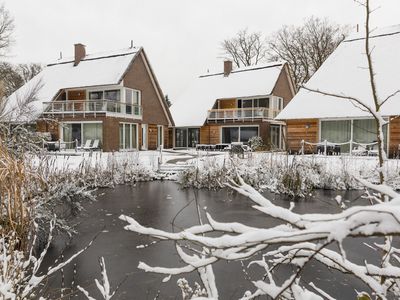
column 227, row 67
column 80, row 53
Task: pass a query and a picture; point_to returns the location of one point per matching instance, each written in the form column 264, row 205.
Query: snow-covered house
column 112, row 97
column 313, row 117
column 233, row 106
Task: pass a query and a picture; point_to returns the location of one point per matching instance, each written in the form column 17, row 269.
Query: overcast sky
column 181, row 37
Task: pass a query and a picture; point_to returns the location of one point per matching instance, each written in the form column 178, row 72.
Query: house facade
column 234, row 106
column 315, row 117
column 112, row 97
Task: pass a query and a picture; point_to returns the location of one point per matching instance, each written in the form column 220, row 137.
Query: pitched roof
column 190, row 109
column 345, row 72
column 106, row 68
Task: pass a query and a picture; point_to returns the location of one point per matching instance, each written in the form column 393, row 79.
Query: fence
column 60, row 145
column 361, row 148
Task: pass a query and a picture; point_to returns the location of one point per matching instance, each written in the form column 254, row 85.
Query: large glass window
column 230, row 134
column 83, row 132
column 264, row 102
column 114, row 95
column 132, row 99
column 336, row 131
column 247, row 133
column 364, row 131
column 193, row 137
column 181, row 137
column 96, row 95
column 127, row 136
column 275, row 136
column 92, row 131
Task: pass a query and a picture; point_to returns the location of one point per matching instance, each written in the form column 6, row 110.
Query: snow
column 93, row 70
column 190, row 109
column 345, row 73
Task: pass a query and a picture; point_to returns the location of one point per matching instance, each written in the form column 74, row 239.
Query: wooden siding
column 152, row 137
column 394, row 132
column 227, row 104
column 298, row 130
column 210, row 134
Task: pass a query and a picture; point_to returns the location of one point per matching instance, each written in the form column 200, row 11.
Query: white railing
column 242, row 113
column 355, row 148
column 91, row 106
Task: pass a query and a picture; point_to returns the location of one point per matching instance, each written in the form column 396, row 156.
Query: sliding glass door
column 82, row 132
column 127, row 136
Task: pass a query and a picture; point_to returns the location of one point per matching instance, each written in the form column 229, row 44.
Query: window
column 193, row 137
column 264, row 102
column 275, row 136
column 160, row 135
column 230, row 134
column 247, row 133
column 181, row 137
column 132, row 99
column 127, row 136
column 83, row 132
column 238, row 134
column 114, row 95
column 364, row 131
column 96, row 95
column 337, row 132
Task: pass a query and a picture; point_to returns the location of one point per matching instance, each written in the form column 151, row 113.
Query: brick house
column 314, row 117
column 113, row 97
column 233, row 106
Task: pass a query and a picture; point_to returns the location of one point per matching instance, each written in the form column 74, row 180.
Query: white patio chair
column 359, row 150
column 95, row 146
column 87, row 145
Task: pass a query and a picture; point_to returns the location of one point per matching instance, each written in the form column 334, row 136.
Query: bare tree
column 305, row 47
column 15, row 76
column 6, row 30
column 245, row 49
column 301, row 238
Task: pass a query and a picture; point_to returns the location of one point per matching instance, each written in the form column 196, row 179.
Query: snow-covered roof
column 106, row 68
column 190, row 109
column 345, row 72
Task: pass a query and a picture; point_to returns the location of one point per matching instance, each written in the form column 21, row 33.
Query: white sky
column 181, row 37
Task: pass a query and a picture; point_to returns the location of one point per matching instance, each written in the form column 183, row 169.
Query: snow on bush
column 20, row 273
column 296, row 176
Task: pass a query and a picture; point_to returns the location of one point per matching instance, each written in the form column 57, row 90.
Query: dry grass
column 15, row 195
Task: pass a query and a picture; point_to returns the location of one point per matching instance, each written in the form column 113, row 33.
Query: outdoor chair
column 359, row 150
column 95, row 146
column 373, row 150
column 87, row 145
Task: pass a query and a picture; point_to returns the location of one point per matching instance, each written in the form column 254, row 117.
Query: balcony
column 242, row 114
column 92, row 107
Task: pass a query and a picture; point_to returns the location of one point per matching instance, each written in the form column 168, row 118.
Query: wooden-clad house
column 112, row 97
column 233, row 106
column 314, row 117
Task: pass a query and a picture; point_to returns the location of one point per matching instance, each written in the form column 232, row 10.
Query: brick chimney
column 80, row 53
column 227, row 67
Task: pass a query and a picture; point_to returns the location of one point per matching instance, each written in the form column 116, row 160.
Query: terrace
column 92, row 107
column 245, row 109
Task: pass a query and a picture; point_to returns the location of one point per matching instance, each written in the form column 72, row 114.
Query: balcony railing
column 242, row 113
column 91, row 107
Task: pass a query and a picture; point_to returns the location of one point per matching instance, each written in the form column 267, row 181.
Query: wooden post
column 325, row 147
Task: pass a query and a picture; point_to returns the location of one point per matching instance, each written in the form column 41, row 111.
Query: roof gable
column 345, row 72
column 190, row 109
column 93, row 70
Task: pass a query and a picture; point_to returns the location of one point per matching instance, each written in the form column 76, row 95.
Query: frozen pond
column 155, row 204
